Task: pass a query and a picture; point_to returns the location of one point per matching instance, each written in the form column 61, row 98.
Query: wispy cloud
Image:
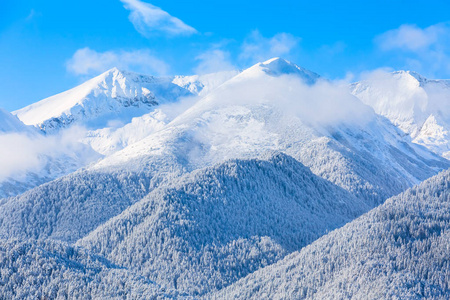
column 409, row 37
column 214, row 60
column 258, row 48
column 255, row 48
column 86, row 61
column 423, row 49
column 149, row 19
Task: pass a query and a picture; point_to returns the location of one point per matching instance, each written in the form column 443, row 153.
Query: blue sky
column 47, row 47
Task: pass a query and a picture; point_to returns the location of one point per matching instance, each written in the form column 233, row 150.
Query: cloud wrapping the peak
column 86, row 61
column 148, row 19
column 36, row 153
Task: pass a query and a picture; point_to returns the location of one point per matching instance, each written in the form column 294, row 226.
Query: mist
column 325, row 103
column 23, row 153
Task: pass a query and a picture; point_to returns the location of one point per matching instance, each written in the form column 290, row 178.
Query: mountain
column 321, row 125
column 215, row 225
column 187, row 195
column 396, row 251
column 114, row 97
column 109, row 140
column 278, row 66
column 70, row 207
column 117, row 107
column 417, row 105
column 53, row 270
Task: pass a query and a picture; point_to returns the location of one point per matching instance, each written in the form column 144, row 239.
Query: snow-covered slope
column 110, row 140
column 174, row 198
column 321, row 125
column 11, row 124
column 53, row 270
column 203, row 84
column 278, row 66
column 399, row 250
column 114, row 97
column 417, row 105
column 215, row 225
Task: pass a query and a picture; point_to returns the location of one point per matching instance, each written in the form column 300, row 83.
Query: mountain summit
column 417, row 105
column 278, row 66
column 112, row 96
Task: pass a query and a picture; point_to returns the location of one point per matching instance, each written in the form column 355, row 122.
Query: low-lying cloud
column 22, row 153
column 320, row 105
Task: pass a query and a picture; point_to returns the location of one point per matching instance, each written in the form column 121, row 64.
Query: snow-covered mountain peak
column 277, row 67
column 114, row 95
column 408, row 100
column 414, row 78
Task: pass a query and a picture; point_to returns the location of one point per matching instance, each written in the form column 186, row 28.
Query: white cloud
column 409, row 37
column 325, row 103
column 86, row 61
column 148, row 19
column 258, row 48
column 21, row 153
column 421, row 49
column 214, row 60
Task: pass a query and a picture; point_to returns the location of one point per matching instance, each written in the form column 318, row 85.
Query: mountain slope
column 53, row 270
column 417, row 105
column 70, row 207
column 110, row 140
column 321, row 125
column 396, row 251
column 112, row 97
column 11, row 124
column 278, row 66
column 214, row 226
column 203, row 84
column 245, row 117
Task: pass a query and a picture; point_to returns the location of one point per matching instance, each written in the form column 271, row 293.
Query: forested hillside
column 396, row 251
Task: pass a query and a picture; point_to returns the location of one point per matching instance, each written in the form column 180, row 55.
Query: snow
column 227, row 185
column 396, row 251
column 322, row 126
column 109, row 140
column 53, row 270
column 418, row 106
column 114, row 96
column 221, row 223
column 11, row 124
column 203, row 84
